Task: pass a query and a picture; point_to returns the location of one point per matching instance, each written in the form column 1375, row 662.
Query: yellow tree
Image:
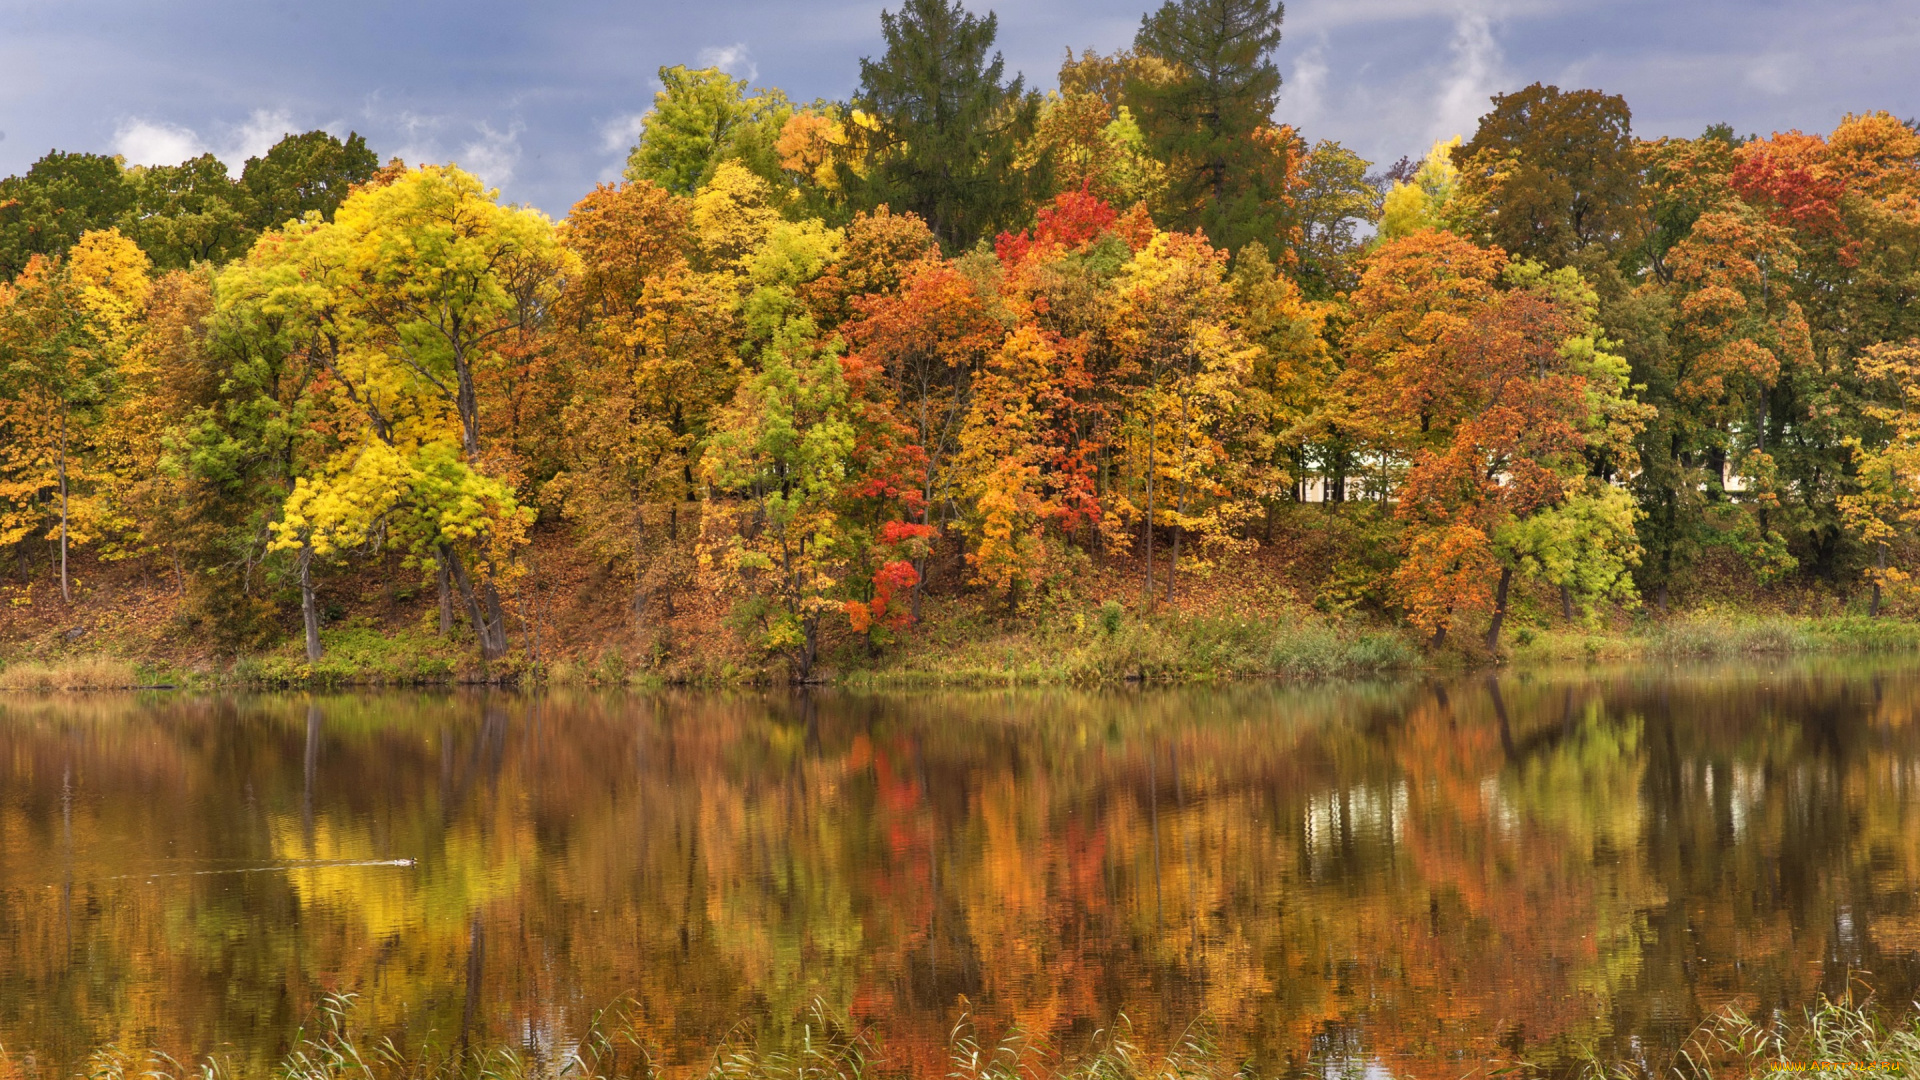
column 1295, row 365
column 1422, row 202
column 1196, row 421
column 784, row 444
column 146, row 497
column 404, row 300
column 1004, row 445
column 65, row 326
column 1885, row 512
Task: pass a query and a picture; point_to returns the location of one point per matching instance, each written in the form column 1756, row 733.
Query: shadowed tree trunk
column 1151, row 432
column 1880, row 563
column 441, row 578
column 1173, row 561
column 1499, row 608
column 483, row 608
column 65, row 593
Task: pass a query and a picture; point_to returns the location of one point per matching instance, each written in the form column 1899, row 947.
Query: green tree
column 312, row 172
column 1585, row 546
column 704, row 117
column 1332, row 199
column 229, row 457
column 1553, row 173
column 1206, row 116
column 45, row 211
column 944, row 131
column 784, row 447
column 190, row 212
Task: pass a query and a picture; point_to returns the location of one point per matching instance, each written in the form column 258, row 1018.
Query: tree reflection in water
column 1411, row 876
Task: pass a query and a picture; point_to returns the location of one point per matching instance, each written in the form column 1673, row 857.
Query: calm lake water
column 1413, row 877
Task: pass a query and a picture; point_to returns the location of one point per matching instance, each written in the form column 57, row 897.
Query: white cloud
column 417, row 133
column 618, row 135
column 1321, row 15
column 617, row 138
column 1476, row 76
column 149, row 142
column 156, row 142
column 1302, row 93
column 493, row 156
column 256, row 135
column 733, row 59
column 1775, row 73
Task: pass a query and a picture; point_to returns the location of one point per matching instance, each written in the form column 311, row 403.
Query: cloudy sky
column 543, row 98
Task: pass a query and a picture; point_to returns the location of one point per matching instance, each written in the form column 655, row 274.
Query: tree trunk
column 641, row 594
column 1566, row 603
column 1173, row 561
column 309, row 607
column 920, row 565
column 1662, row 601
column 809, row 650
column 1499, row 608
column 1151, row 432
column 446, row 592
column 1880, row 564
column 66, row 594
column 1173, row 564
column 496, row 617
column 483, row 608
column 1439, row 637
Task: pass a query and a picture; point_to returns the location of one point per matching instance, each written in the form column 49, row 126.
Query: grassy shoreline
column 1110, row 648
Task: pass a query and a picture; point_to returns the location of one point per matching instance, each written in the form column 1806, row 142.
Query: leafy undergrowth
column 573, row 624
column 361, row 655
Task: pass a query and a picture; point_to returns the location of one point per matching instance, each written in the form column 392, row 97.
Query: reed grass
column 1848, row 1037
column 1852, row 1036
column 830, row 1046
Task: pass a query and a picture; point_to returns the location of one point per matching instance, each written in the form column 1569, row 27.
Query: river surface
column 1410, row 878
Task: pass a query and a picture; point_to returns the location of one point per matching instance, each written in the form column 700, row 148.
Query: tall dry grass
column 86, row 673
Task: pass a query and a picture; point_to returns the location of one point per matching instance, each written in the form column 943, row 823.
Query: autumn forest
column 817, row 371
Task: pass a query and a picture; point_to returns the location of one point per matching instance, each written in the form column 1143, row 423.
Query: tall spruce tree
column 942, row 130
column 1210, row 117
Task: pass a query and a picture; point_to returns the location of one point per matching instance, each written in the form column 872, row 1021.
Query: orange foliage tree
column 1487, row 380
